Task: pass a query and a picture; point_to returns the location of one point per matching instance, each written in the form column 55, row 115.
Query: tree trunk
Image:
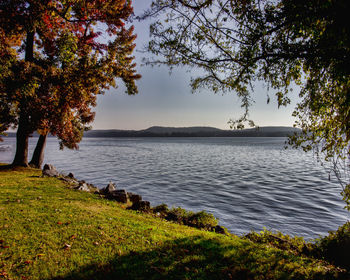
column 23, row 131
column 21, row 157
column 29, row 56
column 38, row 155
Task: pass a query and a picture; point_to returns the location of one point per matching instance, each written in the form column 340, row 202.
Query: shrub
column 162, row 208
column 178, row 215
column 336, row 246
column 203, row 220
column 281, row 241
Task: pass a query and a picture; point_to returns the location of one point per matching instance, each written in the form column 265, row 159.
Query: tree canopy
column 56, row 62
column 283, row 43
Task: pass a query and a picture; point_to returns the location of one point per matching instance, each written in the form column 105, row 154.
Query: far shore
column 158, row 131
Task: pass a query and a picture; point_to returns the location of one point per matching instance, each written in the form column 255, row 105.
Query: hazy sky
column 166, row 100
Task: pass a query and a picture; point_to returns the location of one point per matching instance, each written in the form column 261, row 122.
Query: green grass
column 49, row 231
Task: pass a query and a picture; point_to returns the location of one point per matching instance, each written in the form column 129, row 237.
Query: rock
column 70, row 175
column 134, row 198
column 49, row 167
column 87, row 187
column 144, row 206
column 109, row 189
column 69, row 180
column 119, row 195
column 50, row 171
column 93, row 189
column 83, row 187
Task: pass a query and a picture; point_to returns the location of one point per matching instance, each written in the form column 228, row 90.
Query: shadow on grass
column 188, row 258
column 201, row 258
column 10, row 167
column 6, row 166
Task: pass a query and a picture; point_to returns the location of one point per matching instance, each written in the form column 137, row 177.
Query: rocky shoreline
column 201, row 220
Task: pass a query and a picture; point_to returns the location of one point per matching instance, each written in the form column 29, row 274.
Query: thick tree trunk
column 21, row 157
column 38, row 156
column 29, row 56
column 23, row 130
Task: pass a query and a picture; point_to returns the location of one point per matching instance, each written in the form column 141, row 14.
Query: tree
column 76, row 89
column 56, row 38
column 7, row 56
column 238, row 42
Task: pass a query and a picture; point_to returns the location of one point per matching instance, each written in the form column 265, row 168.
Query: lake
column 248, row 183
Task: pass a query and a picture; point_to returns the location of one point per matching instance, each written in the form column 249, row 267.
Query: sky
column 166, row 99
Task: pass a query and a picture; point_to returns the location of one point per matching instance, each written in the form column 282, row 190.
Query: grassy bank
column 48, row 231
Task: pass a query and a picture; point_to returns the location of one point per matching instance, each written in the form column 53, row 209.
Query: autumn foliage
column 56, row 57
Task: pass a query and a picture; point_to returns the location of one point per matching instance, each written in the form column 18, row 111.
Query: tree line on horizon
column 159, row 131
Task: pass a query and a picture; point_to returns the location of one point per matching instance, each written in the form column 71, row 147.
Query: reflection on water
column 248, row 183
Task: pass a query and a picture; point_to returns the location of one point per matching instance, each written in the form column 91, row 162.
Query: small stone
column 49, row 167
column 69, row 180
column 120, row 196
column 144, row 206
column 83, row 187
column 109, row 189
column 134, row 198
column 92, row 188
column 50, row 171
column 70, row 175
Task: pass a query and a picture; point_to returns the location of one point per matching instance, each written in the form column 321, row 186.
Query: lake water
column 248, row 183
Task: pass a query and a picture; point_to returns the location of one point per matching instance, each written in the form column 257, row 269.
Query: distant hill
column 159, row 131
column 193, row 129
column 196, row 131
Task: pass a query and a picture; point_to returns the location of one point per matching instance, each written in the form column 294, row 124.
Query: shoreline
column 200, row 220
column 81, row 235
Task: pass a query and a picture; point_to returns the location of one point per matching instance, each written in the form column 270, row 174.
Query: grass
column 49, row 231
